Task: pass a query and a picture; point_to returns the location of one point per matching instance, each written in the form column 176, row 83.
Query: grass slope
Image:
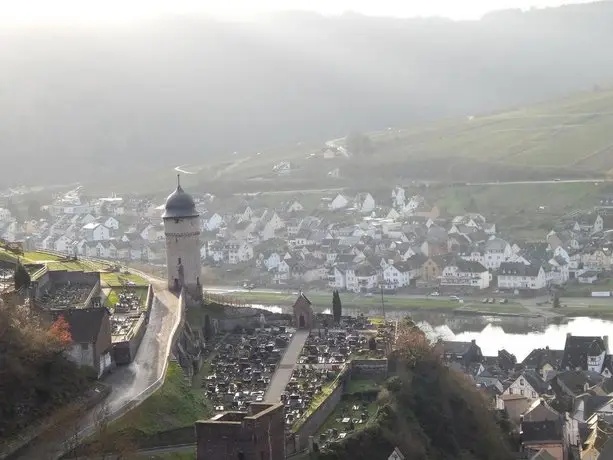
column 568, row 137
column 174, row 405
column 571, row 133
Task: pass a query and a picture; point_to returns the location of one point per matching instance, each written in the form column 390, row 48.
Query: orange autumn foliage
column 60, row 331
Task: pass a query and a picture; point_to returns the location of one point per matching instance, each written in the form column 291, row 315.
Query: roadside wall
column 149, row 302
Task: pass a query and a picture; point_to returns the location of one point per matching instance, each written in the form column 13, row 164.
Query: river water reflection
column 518, row 335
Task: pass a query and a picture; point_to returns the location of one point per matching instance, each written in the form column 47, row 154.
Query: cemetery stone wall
column 371, row 368
column 319, row 416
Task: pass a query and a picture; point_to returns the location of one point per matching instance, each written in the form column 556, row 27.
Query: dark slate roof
column 577, row 349
column 467, row 266
column 518, row 269
column 606, row 453
column 543, row 455
column 541, row 412
column 592, row 403
column 179, row 204
column 548, row 430
column 536, row 382
column 541, row 356
column 457, row 348
column 576, row 381
column 84, row 323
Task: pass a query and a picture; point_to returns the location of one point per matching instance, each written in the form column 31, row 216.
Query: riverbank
column 389, row 302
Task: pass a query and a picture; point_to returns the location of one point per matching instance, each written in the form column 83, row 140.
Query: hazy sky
column 110, row 11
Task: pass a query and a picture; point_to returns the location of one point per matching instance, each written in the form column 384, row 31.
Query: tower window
column 179, row 260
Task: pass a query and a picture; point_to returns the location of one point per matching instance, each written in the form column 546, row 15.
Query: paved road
column 524, row 182
column 130, row 384
column 284, row 372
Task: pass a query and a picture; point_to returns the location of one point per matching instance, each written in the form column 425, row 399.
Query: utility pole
column 382, row 302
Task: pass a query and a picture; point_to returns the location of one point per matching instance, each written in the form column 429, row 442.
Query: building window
column 521, row 392
column 521, row 382
column 510, row 391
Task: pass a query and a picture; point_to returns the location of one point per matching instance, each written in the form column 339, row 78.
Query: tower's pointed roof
column 179, row 204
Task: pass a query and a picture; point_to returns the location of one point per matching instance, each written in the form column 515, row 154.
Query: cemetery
column 128, row 321
column 241, row 370
column 324, row 364
column 66, row 289
column 350, row 414
column 65, row 296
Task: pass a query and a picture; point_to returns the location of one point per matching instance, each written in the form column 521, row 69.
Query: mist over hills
column 89, row 104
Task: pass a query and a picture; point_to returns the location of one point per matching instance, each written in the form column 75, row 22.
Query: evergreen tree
column 208, row 328
column 22, row 277
column 337, row 309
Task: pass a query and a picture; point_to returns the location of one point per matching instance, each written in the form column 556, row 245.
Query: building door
column 301, row 322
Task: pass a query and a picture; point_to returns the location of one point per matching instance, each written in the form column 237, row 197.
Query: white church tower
column 182, row 231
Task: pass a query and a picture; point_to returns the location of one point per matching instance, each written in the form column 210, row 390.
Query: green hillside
column 574, row 133
column 565, row 138
column 428, row 411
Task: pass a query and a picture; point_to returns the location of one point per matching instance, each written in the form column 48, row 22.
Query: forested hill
column 78, row 104
column 429, row 412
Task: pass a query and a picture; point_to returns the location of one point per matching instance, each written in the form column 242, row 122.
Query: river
column 517, row 335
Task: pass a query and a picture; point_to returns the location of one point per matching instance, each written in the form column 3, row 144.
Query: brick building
column 258, row 434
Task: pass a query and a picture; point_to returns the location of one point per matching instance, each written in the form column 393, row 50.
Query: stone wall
column 124, row 352
column 371, row 368
column 50, row 278
column 310, row 426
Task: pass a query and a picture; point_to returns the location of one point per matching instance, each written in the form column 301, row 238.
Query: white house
column 465, row 273
column 515, row 275
column 86, row 219
column 272, row 261
column 111, row 223
column 238, row 251
column 398, row 274
column 295, row 206
column 62, row 244
column 214, row 222
column 597, row 259
column 215, row 251
column 5, row 214
column 98, row 249
column 496, row 251
column 351, row 281
column 366, row 279
column 398, row 198
column 339, row 202
column 529, row 384
column 365, row 203
column 95, row 231
column 337, row 278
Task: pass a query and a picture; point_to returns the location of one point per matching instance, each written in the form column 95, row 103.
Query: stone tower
column 182, row 231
